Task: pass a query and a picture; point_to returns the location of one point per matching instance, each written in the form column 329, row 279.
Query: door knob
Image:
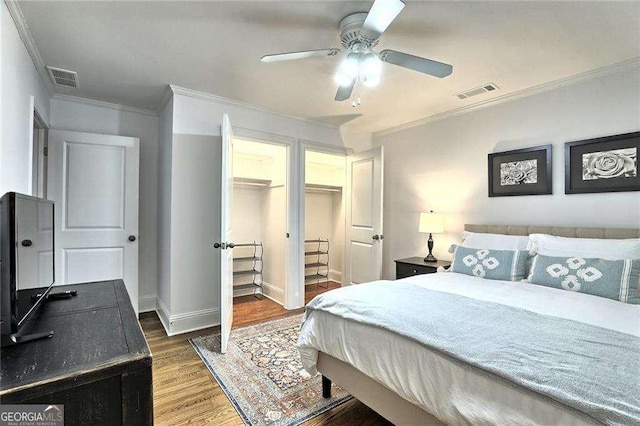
column 131, row 238
column 376, row 237
column 230, row 245
column 216, row 245
column 26, row 243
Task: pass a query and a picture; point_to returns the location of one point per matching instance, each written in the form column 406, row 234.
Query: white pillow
column 609, row 249
column 494, row 241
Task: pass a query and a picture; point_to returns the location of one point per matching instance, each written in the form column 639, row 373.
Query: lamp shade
column 432, row 223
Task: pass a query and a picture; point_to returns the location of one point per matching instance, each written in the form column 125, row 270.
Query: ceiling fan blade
column 299, row 55
column 416, row 63
column 382, row 13
column 344, row 92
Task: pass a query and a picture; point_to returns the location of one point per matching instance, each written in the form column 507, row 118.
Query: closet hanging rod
column 258, row 184
column 321, row 188
column 246, row 181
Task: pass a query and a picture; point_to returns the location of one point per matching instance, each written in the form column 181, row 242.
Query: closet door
column 93, row 180
column 363, row 260
column 226, row 246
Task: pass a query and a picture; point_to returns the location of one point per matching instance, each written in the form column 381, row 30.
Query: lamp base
column 430, row 258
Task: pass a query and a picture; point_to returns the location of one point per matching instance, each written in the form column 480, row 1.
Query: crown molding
column 102, row 104
column 177, row 90
column 545, row 87
column 29, row 44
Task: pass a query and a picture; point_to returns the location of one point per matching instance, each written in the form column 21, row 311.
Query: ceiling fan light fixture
column 348, row 70
column 351, row 65
column 342, row 79
column 370, row 69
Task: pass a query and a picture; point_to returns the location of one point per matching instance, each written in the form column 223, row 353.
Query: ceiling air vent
column 63, row 77
column 477, row 91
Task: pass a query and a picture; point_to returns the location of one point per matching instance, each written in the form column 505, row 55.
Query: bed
column 441, row 387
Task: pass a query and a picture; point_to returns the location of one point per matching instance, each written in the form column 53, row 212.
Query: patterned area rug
column 262, row 375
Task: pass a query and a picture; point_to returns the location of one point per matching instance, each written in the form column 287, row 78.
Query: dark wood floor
column 184, row 392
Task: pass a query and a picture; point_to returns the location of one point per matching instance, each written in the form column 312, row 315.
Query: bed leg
column 326, row 387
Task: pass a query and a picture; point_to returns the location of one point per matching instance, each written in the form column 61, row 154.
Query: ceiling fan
column 359, row 33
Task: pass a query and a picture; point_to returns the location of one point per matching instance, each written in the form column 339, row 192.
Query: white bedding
column 453, row 392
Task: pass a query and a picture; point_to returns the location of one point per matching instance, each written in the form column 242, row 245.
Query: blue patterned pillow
column 505, row 265
column 613, row 279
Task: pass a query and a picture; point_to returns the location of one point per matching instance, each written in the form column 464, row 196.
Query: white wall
column 246, row 214
column 442, row 165
column 165, row 142
column 20, row 84
column 318, row 215
column 274, row 225
column 82, row 116
column 254, row 167
column 336, row 260
column 195, row 224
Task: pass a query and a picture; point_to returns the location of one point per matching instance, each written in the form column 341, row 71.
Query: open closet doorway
column 260, row 213
column 324, row 222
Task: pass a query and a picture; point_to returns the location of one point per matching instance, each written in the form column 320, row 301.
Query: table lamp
column 431, row 223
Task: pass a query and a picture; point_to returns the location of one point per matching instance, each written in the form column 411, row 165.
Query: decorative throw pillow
column 505, row 265
column 613, row 279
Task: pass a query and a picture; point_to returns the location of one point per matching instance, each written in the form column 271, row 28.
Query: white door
column 363, row 260
column 93, row 180
column 226, row 246
column 35, row 232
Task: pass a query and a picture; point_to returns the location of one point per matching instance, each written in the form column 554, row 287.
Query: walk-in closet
column 259, row 214
column 324, row 218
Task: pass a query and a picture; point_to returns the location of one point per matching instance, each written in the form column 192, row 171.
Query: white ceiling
column 127, row 52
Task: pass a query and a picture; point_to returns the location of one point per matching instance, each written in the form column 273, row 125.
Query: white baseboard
column 164, row 315
column 274, row 293
column 147, row 303
column 192, row 321
column 186, row 322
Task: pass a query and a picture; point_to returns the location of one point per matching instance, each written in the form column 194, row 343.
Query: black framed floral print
column 520, row 172
column 608, row 164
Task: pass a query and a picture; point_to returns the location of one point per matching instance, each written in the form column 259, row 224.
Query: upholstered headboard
column 555, row 230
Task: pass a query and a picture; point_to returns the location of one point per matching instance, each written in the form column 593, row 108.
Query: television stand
column 98, row 364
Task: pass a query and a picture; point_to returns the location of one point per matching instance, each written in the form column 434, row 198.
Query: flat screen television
column 26, row 261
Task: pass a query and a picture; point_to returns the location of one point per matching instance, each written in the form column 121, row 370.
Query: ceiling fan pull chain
column 356, row 101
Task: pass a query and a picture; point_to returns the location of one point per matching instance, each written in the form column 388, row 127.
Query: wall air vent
column 477, row 91
column 63, row 77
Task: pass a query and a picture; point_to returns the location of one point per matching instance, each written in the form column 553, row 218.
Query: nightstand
column 417, row 266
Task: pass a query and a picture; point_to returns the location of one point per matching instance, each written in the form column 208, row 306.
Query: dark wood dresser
column 97, row 363
column 417, row 266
